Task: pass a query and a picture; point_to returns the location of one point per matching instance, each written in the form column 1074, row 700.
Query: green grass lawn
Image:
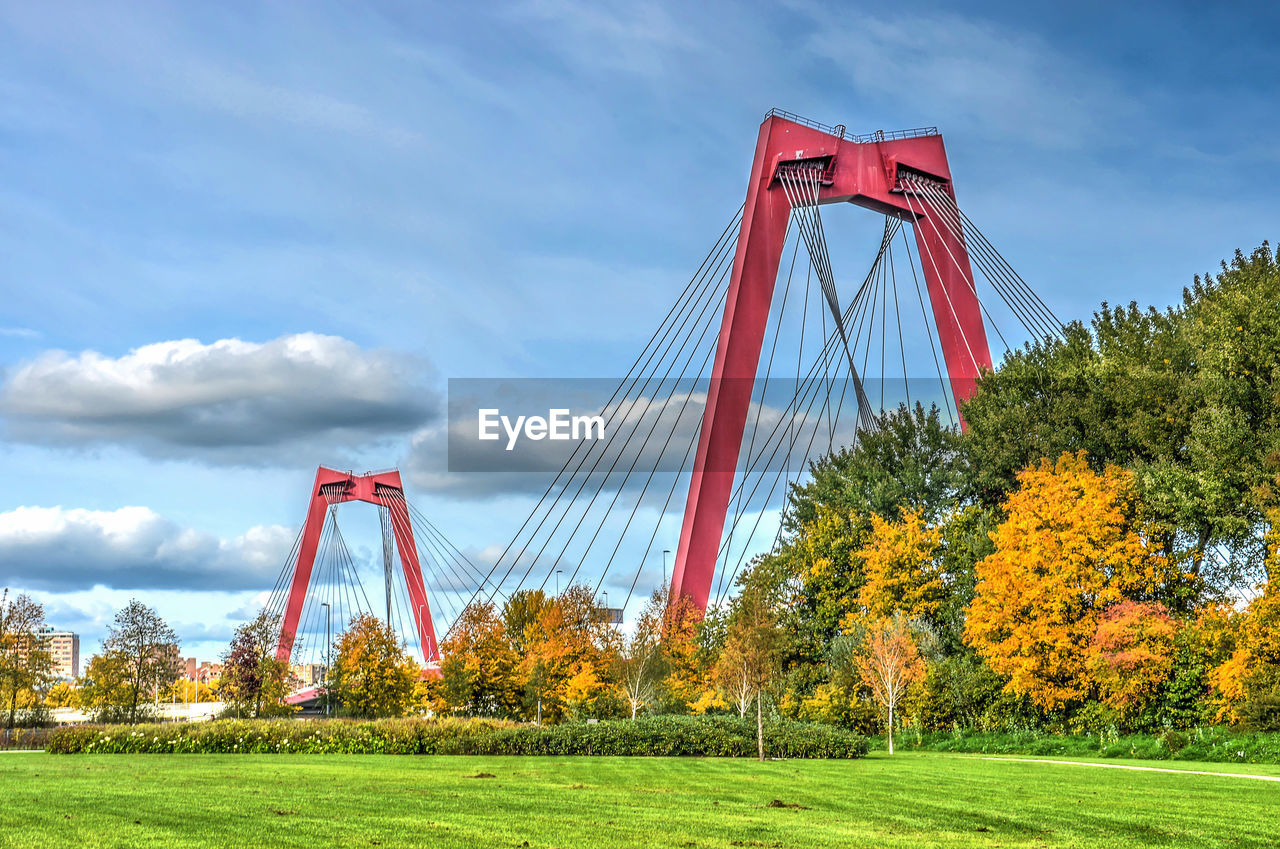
column 909, row 800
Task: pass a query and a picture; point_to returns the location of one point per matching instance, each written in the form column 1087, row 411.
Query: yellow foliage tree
column 478, row 672
column 62, row 695
column 686, row 679
column 568, row 638
column 187, row 691
column 1253, row 668
column 581, row 690
column 372, row 675
column 902, row 567
column 1071, row 546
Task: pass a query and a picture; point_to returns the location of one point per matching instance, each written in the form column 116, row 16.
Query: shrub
column 1261, row 712
column 1224, row 745
column 657, row 736
column 1174, row 741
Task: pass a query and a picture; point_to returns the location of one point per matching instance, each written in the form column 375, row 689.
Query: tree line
column 1097, row 550
column 1094, row 551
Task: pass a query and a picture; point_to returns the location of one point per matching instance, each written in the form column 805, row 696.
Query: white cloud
column 228, row 401
column 58, row 549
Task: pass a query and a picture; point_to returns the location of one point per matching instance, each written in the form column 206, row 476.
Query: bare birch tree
column 889, row 664
column 749, row 660
column 639, row 658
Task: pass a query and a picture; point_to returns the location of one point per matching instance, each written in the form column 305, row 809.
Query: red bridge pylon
column 876, row 172
column 385, row 490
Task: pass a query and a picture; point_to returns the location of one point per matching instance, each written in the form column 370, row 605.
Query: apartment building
column 64, row 648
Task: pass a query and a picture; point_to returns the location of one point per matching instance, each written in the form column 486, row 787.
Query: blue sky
column 340, row 207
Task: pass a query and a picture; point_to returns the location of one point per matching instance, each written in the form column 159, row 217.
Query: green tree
column 372, row 675
column 1185, row 398
column 144, row 649
column 26, row 666
column 913, row 461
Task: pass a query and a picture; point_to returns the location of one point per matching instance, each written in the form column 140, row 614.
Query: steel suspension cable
column 707, row 290
column 639, row 452
column 641, row 362
column 454, row 553
column 1035, row 316
column 805, row 199
column 967, row 277
column 906, row 196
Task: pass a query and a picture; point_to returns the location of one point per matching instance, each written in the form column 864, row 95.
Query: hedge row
column 24, row 738
column 1222, row 745
column 262, row 736
column 673, row 736
column 664, row 736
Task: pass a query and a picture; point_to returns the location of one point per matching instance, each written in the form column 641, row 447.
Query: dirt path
column 1139, row 768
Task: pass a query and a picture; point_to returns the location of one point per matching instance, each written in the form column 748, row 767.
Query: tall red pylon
column 867, row 172
column 385, row 490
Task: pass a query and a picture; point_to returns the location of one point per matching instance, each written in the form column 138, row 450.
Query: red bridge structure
column 319, row 589
column 385, row 490
column 704, row 413
column 739, row 437
column 799, row 162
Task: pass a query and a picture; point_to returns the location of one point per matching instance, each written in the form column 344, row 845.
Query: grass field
column 910, row 800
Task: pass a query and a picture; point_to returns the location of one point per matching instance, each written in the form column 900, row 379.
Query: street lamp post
column 328, row 649
column 665, row 552
column 558, row 571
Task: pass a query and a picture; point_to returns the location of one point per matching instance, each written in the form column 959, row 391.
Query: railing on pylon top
column 840, row 132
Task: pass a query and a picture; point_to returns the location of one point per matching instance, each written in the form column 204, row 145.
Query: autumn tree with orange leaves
column 1071, row 546
column 1247, row 684
column 566, row 654
column 889, row 664
column 1131, row 654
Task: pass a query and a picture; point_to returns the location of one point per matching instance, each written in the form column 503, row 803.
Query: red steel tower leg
column 864, row 172
column 384, row 489
column 742, row 328
column 316, row 512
